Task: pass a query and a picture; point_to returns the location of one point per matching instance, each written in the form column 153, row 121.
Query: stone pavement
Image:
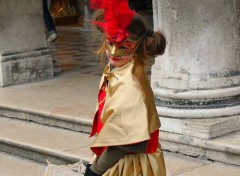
column 13, row 166
column 49, row 119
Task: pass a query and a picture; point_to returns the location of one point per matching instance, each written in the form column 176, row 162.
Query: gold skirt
column 139, row 165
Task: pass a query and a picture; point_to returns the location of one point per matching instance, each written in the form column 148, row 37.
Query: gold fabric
column 129, row 114
column 139, row 165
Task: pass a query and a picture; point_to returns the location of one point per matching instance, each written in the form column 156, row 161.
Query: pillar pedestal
column 197, row 81
column 24, row 55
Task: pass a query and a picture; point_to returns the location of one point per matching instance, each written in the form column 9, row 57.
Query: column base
column 24, row 67
column 201, row 128
column 224, row 149
column 200, row 113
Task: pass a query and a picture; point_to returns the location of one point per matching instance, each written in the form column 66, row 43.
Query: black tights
column 113, row 154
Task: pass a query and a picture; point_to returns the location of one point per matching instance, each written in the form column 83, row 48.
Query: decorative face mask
column 125, row 48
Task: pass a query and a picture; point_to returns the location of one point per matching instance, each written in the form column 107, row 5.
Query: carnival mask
column 125, row 48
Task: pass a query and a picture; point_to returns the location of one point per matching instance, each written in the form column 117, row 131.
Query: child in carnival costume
column 126, row 123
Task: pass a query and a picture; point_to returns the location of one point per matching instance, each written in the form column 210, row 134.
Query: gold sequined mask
column 125, row 48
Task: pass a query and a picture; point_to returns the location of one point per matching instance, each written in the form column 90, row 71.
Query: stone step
column 202, row 128
column 227, row 151
column 67, row 101
column 224, row 149
column 178, row 165
column 39, row 142
column 61, row 146
column 14, row 166
column 46, row 118
column 218, row 169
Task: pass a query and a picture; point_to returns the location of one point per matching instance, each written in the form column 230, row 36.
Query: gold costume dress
column 129, row 116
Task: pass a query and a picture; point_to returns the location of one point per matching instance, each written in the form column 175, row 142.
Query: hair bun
column 149, row 33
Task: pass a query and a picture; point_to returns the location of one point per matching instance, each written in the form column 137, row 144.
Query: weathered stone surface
column 171, row 125
column 67, row 101
column 202, row 128
column 183, row 149
column 13, row 166
column 203, row 44
column 22, row 26
column 177, row 163
column 23, row 53
column 26, row 67
column 196, row 81
column 230, row 158
column 198, row 112
column 217, row 169
column 39, row 142
column 211, row 128
column 47, row 119
column 5, row 73
column 225, row 149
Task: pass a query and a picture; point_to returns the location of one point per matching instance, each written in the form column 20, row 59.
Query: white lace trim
column 76, row 169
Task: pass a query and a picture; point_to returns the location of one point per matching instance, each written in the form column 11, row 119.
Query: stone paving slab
column 43, row 140
column 13, row 166
column 214, row 169
column 224, row 149
column 71, row 95
column 202, row 128
column 176, row 163
column 229, row 143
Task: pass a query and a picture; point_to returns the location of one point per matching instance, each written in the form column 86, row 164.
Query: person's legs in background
column 52, row 34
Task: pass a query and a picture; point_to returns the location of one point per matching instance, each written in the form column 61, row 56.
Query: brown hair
column 152, row 43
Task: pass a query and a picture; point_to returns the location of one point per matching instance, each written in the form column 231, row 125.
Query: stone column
column 23, row 49
column 197, row 81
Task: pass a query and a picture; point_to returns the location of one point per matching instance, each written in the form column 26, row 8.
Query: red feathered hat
column 117, row 17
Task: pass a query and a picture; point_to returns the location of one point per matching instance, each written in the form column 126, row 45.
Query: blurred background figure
column 50, row 26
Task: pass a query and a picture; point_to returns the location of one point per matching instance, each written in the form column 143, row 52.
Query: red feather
column 117, row 17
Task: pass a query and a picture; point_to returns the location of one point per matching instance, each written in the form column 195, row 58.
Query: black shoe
column 89, row 172
column 93, row 174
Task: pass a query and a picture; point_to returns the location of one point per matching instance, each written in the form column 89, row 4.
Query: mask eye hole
column 122, row 47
